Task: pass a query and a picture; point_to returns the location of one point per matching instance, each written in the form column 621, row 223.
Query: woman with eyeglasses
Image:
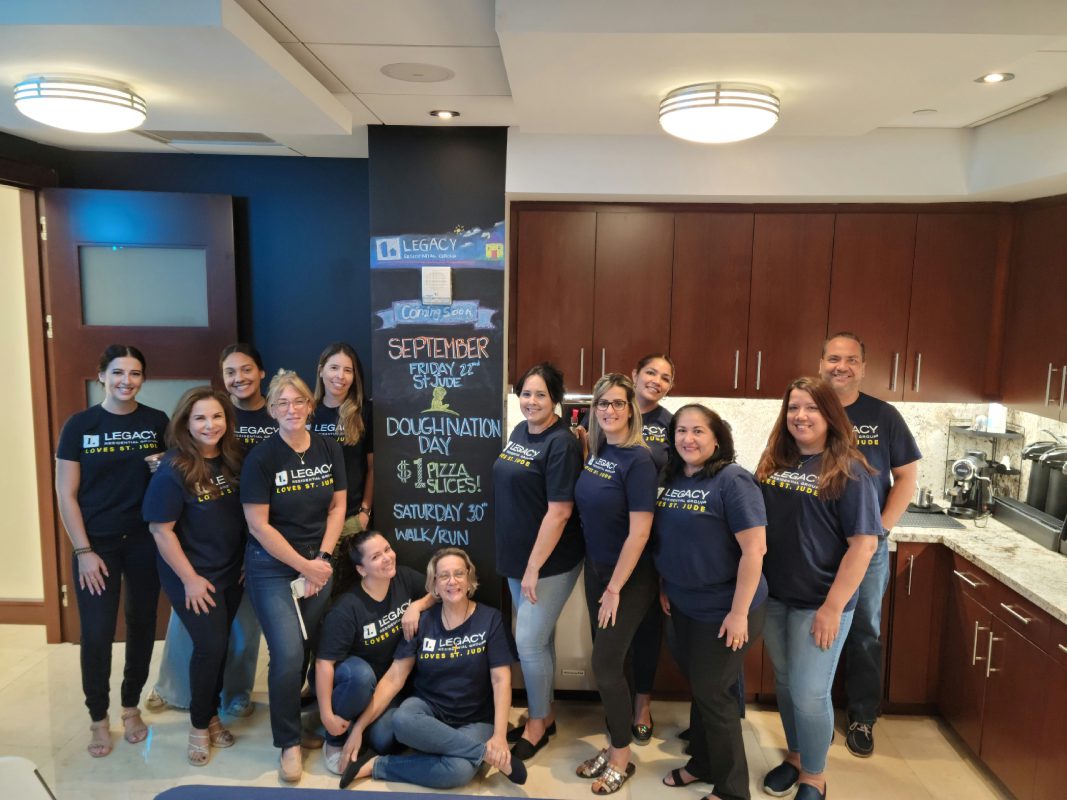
column 293, row 492
column 616, row 497
column 457, row 715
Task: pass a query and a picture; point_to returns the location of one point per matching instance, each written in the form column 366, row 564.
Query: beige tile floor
column 42, row 718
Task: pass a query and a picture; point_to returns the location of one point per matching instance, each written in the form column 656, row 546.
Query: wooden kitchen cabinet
column 709, row 303
column 790, row 295
column 1051, row 749
column 915, row 626
column 1034, row 365
column 952, row 302
column 962, row 683
column 870, row 293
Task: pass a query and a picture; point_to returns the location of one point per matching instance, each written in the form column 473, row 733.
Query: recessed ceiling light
column 441, row 113
column 924, row 111
column 995, row 77
column 417, row 73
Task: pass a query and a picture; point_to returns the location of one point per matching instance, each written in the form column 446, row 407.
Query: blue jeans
column 448, row 757
column 354, row 682
column 535, row 635
column 267, row 583
column 241, row 658
column 803, row 674
column 863, row 648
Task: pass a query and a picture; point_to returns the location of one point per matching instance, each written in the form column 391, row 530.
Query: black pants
column 210, row 633
column 718, row 752
column 610, row 644
column 644, row 650
column 130, row 559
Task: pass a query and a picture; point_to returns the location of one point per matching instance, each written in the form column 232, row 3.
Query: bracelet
column 80, row 551
column 322, row 555
column 364, row 510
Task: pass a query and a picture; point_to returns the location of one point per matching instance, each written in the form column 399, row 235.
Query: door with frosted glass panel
column 148, row 269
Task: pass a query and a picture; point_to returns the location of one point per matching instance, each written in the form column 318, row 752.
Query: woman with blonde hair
column 293, row 492
column 194, row 513
column 615, row 497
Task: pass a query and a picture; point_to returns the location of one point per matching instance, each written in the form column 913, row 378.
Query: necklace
column 466, row 611
column 805, row 459
column 300, row 454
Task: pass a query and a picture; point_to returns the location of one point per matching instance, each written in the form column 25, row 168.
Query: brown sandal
column 220, row 737
column 199, row 751
column 611, row 780
column 100, row 743
column 135, row 729
column 593, row 767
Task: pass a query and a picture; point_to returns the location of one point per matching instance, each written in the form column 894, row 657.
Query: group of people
column 412, row 676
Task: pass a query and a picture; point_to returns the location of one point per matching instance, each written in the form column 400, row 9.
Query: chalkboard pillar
column 437, row 302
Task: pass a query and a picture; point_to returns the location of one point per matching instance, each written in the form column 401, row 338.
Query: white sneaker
column 331, row 756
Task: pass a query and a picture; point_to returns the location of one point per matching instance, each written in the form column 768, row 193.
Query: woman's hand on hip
column 825, row 626
column 91, row 572
column 735, row 630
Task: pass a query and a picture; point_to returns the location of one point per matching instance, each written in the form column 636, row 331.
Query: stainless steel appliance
column 1037, row 488
column 971, row 490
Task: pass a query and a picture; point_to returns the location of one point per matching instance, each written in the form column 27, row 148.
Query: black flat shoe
column 518, row 769
column 523, row 750
column 516, row 733
column 806, row 791
column 781, row 780
column 684, row 735
column 355, row 766
column 642, row 733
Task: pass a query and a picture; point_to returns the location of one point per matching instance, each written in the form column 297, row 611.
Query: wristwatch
column 364, row 510
column 322, row 555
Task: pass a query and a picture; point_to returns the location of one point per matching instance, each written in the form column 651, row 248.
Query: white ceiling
column 307, row 73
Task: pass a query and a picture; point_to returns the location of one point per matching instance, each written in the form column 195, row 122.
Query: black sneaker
column 781, row 780
column 860, row 739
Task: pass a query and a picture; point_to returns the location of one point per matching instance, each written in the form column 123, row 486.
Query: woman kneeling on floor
column 457, row 716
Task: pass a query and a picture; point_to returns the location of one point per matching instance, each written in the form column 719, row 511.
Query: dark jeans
column 718, row 752
column 130, row 559
column 610, row 644
column 644, row 651
column 210, row 633
column 267, row 581
column 863, row 647
column 354, row 683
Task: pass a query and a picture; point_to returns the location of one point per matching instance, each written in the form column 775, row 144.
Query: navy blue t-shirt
column 654, row 427
column 613, row 483
column 807, row 536
column 452, row 666
column 210, row 525
column 110, row 449
column 359, row 625
column 696, row 549
column 298, row 490
column 325, row 423
column 533, row 469
column 254, row 427
column 884, row 439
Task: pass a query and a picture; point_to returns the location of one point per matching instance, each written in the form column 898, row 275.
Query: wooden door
column 709, row 303
column 632, row 307
column 1015, row 703
column 961, row 690
column 1035, row 341
column 913, row 646
column 554, row 289
column 870, row 292
column 98, row 246
column 951, row 306
column 791, row 255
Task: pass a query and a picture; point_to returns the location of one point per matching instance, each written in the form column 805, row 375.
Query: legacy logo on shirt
column 518, row 454
column 685, row 499
column 90, row 441
column 297, row 479
column 654, row 433
column 370, row 630
column 454, row 646
column 119, row 441
column 335, row 429
column 867, row 435
column 601, row 467
column 429, row 645
column 281, row 478
column 804, row 482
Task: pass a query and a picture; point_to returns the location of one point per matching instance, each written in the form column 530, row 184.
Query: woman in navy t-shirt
column 101, row 476
column 293, row 492
column 710, row 540
column 194, row 512
column 457, row 716
column 823, row 524
column 615, row 497
column 538, row 539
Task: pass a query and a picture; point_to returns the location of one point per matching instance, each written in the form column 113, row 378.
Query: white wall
column 20, row 567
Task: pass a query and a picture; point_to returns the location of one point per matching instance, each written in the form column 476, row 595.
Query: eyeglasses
column 298, row 405
column 618, row 405
column 459, row 575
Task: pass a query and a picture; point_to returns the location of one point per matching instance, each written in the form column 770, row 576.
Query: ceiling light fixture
column 86, row 105
column 444, row 114
column 995, row 77
column 715, row 113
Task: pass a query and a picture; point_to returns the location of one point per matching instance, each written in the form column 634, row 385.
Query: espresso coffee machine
column 972, row 485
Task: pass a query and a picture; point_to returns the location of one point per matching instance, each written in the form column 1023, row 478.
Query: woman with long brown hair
column 823, row 525
column 194, row 512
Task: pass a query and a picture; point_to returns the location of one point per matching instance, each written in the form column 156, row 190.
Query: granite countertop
column 1037, row 574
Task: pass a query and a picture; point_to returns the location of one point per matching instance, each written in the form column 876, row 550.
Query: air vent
column 235, row 138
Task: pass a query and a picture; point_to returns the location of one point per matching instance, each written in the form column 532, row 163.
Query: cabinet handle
column 759, row 367
column 1048, row 384
column 918, row 371
column 989, row 655
column 1016, row 614
column 975, row 658
column 896, row 365
column 581, row 367
column 1062, row 647
column 737, row 366
column 911, row 566
column 1063, row 384
column 603, row 355
column 963, row 577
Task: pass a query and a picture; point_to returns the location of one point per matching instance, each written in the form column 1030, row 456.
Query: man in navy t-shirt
column 886, row 442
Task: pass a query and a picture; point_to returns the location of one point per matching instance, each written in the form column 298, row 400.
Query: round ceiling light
column 414, row 72
column 715, row 113
column 86, row 105
column 995, row 77
column 442, row 113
